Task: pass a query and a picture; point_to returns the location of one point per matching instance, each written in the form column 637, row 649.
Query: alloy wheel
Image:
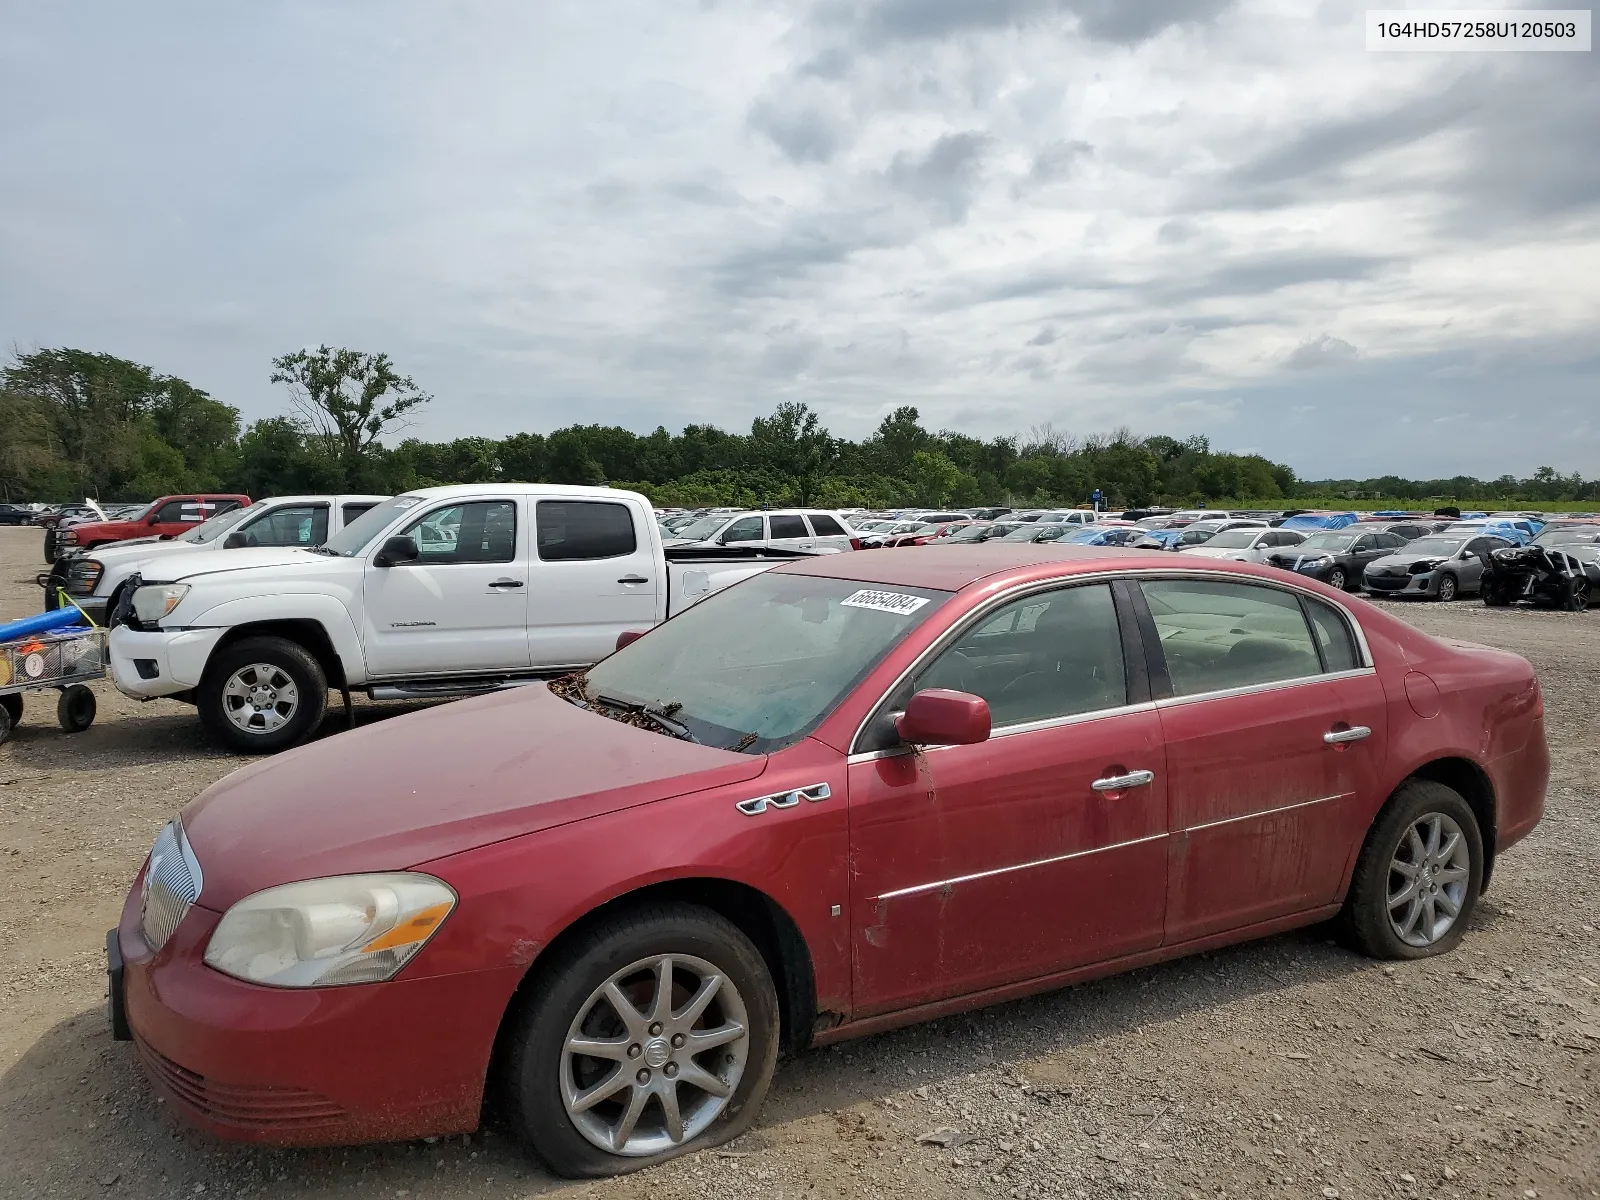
column 1428, row 878
column 654, row 1055
column 260, row 698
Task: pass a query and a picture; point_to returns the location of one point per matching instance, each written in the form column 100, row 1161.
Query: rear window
column 575, row 530
column 788, row 526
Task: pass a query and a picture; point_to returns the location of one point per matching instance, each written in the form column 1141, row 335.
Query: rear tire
column 543, row 1080
column 1449, row 588
column 76, row 708
column 12, row 705
column 261, row 695
column 1406, row 883
column 5, row 724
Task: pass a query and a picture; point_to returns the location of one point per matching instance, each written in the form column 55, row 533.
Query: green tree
column 794, row 443
column 347, row 400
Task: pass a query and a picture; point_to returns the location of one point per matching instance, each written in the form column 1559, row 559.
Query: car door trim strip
column 1267, row 812
column 1027, row 866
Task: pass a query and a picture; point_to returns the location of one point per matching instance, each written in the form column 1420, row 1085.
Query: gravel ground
column 1288, row 1067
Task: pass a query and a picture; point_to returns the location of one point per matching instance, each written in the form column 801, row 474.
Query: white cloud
column 1149, row 212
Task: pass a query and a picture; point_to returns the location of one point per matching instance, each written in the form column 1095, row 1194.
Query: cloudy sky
column 1184, row 216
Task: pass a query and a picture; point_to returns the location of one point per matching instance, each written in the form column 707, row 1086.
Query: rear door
column 789, row 531
column 829, row 533
column 596, row 574
column 462, row 606
column 1275, row 736
column 288, row 525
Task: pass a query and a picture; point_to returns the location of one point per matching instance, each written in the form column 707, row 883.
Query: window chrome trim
column 1137, row 575
column 917, row 889
column 1267, row 812
column 1275, row 685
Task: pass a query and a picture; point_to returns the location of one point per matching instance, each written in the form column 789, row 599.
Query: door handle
column 1338, row 737
column 633, row 579
column 1116, row 783
column 506, row 583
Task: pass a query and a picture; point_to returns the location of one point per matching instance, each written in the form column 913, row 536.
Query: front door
column 1274, row 730
column 462, row 605
column 1034, row 852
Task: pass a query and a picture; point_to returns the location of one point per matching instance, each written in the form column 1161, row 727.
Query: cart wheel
column 5, row 722
column 13, row 706
column 75, row 709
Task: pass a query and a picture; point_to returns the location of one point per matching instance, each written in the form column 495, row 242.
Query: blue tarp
column 1315, row 521
column 45, row 622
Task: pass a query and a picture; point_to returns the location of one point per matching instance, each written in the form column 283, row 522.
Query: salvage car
column 1545, row 576
column 1439, row 567
column 1337, row 557
column 93, row 579
column 851, row 793
column 167, row 517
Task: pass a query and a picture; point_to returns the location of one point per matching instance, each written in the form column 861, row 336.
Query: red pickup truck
column 163, row 518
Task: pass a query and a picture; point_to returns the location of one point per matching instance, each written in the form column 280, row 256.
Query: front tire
column 601, row 1073
column 1577, row 596
column 1337, row 579
column 261, row 695
column 1449, row 588
column 1418, row 877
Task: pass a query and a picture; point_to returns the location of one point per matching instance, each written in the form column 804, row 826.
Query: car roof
column 951, row 568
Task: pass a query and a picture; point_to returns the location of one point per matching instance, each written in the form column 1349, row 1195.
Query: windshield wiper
column 661, row 716
column 322, row 550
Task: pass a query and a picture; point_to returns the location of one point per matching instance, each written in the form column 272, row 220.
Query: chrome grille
column 171, row 885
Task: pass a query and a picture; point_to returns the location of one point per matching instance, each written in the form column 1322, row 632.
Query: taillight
column 855, row 543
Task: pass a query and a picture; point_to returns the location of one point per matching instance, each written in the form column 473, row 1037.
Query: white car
column 447, row 591
column 93, row 579
column 1245, row 544
column 1069, row 516
column 808, row 530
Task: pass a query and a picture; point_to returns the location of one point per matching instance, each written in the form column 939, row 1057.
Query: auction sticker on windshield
column 889, row 602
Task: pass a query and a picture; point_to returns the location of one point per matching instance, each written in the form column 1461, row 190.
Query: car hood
column 1204, row 551
column 243, row 559
column 1402, row 560
column 139, row 549
column 415, row 788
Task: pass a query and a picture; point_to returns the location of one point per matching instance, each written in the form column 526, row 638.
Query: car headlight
column 156, row 600
column 325, row 932
column 1422, row 566
column 83, row 576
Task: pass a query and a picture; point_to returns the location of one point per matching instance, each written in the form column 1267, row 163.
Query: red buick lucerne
column 846, row 794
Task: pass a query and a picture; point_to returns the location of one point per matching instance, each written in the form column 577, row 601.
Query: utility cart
column 48, row 651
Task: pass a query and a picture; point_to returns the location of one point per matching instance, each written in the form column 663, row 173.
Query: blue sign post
column 1097, row 498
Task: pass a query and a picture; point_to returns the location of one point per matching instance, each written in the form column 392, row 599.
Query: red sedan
column 847, row 794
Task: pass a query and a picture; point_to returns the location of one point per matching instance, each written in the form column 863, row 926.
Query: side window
column 1364, row 545
column 482, row 531
column 788, row 525
column 1478, row 546
column 171, row 513
column 1333, row 636
column 354, row 510
column 825, row 526
column 291, row 525
column 584, row 530
column 1391, row 541
column 1039, row 657
column 745, row 529
column 1217, row 635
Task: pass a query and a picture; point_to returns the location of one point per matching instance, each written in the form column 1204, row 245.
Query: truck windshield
column 358, row 535
column 757, row 667
column 210, row 531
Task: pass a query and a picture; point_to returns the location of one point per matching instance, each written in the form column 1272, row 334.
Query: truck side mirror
column 234, row 541
column 395, row 551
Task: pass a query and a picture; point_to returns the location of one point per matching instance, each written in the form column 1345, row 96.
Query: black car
column 989, row 514
column 11, row 514
column 1337, row 557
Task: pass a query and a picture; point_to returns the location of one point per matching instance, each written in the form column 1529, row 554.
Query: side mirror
column 153, row 519
column 940, row 717
column 628, row 636
column 395, row 551
column 234, row 541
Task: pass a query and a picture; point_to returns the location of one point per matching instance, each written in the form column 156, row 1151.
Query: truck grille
column 171, row 886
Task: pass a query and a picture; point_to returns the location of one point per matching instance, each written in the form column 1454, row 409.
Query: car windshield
column 358, row 535
column 972, row 533
column 1233, row 539
column 1572, row 533
column 209, row 531
column 1434, row 547
column 699, row 531
column 1336, row 543
column 757, row 667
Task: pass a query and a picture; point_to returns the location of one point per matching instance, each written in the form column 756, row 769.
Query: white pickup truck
column 93, row 579
column 444, row 591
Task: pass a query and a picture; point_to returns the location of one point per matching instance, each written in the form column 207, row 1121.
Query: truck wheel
column 12, row 706
column 653, row 1034
column 1418, row 877
column 49, row 545
column 76, row 708
column 261, row 695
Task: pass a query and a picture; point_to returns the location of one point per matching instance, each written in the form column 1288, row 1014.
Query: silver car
column 1439, row 567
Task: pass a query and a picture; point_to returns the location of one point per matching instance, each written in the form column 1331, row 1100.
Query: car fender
column 325, row 611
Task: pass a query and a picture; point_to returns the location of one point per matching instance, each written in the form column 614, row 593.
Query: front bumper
column 1425, row 584
column 146, row 665
column 312, row 1066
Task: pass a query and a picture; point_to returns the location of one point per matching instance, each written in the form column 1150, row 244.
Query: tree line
column 77, row 423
